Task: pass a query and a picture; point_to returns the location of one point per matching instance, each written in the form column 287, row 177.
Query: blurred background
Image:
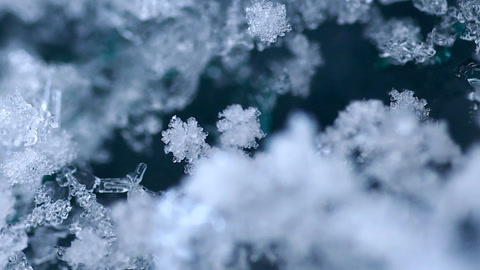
column 352, row 70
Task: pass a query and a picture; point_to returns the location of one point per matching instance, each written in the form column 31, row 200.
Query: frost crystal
column 51, row 206
column 436, row 7
column 23, row 124
column 468, row 16
column 185, row 140
column 267, row 21
column 27, row 166
column 400, row 40
column 239, row 127
column 406, row 101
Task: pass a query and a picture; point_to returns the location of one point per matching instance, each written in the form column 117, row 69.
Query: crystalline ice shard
column 470, row 71
column 122, row 185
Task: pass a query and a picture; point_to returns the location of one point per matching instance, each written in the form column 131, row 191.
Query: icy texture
column 468, row 15
column 267, row 21
column 13, row 239
column 126, row 184
column 436, row 7
column 48, row 210
column 383, row 188
column 399, row 40
column 88, row 249
column 445, row 32
column 239, row 127
column 23, row 124
column 406, row 101
column 185, row 140
column 423, row 144
column 33, row 142
column 18, row 262
column 29, row 165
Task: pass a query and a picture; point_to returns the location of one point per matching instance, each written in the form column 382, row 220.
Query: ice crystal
column 267, row 21
column 23, row 124
column 75, row 74
column 400, row 40
column 468, row 16
column 185, row 140
column 239, row 127
column 126, row 184
column 406, row 101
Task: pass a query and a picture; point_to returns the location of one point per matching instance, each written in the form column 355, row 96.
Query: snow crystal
column 400, row 40
column 239, row 127
column 185, row 140
column 267, row 21
column 406, row 101
column 21, row 123
column 468, row 16
column 27, row 167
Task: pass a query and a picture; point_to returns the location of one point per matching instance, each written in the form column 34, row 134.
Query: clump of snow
column 396, row 147
column 88, row 249
column 185, row 140
column 400, row 40
column 267, row 21
column 239, row 127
